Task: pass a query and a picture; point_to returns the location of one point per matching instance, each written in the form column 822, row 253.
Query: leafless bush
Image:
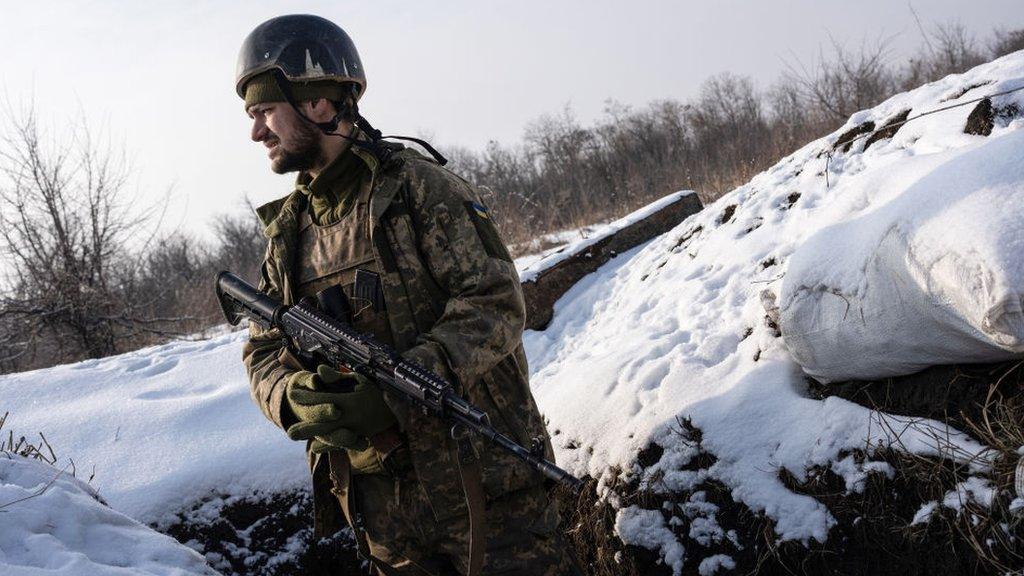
column 83, row 275
column 948, row 49
column 239, row 243
column 179, row 269
column 65, row 229
column 835, row 87
column 1005, row 42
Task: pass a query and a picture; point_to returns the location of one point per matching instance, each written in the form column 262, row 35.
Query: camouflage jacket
column 454, row 304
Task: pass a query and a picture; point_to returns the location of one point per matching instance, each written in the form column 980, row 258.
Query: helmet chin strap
column 330, row 127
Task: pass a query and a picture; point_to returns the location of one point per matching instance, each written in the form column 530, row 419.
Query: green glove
column 318, row 447
column 340, row 419
column 307, row 399
column 310, row 400
column 363, row 414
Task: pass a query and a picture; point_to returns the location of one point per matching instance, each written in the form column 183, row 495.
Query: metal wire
column 897, row 125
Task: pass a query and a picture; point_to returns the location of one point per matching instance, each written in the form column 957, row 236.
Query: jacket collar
column 283, row 213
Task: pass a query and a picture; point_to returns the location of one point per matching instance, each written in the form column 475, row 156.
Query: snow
column 923, row 267
column 647, row 528
column 53, row 524
column 701, row 515
column 712, row 564
column 1018, row 476
column 973, row 489
column 555, row 242
column 162, row 426
column 924, row 514
column 855, row 473
column 531, row 267
column 676, row 329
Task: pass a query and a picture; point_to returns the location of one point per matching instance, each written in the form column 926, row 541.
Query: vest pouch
column 368, row 288
column 333, row 302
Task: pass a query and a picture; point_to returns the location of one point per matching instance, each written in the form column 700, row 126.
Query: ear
column 320, row 110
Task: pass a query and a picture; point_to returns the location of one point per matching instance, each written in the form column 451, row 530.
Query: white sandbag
column 934, row 275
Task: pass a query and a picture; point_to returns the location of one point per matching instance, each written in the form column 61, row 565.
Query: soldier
column 423, row 269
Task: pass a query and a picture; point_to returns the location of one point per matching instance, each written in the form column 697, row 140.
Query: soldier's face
column 292, row 143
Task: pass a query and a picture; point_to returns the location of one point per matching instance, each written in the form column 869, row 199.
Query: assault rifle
column 314, row 332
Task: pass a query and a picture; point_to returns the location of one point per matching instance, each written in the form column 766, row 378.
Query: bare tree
column 64, row 231
column 846, row 82
column 240, row 242
column 1006, row 41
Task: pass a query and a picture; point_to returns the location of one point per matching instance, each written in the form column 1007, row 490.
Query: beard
column 302, row 153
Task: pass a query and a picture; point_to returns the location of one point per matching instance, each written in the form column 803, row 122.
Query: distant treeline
column 78, row 285
column 564, row 175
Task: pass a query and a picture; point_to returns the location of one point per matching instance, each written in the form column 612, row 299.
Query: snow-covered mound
column 676, row 329
column 53, row 524
column 923, row 268
column 160, row 427
column 572, row 242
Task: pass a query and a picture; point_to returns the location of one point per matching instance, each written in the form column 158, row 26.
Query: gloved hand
column 337, row 419
column 308, row 398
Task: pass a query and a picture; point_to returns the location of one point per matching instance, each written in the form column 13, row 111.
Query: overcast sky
column 159, row 74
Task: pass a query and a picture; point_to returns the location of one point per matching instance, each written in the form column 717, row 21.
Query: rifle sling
column 470, row 475
column 472, row 485
column 341, row 478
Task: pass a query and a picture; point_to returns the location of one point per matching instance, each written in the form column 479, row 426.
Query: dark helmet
column 304, row 48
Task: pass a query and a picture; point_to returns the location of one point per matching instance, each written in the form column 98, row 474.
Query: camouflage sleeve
column 268, row 376
column 483, row 318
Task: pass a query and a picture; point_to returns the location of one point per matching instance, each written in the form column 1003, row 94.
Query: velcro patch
column 481, row 210
column 485, row 229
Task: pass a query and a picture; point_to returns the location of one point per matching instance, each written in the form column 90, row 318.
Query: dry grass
column 874, row 533
column 996, row 535
column 984, row 401
column 36, row 450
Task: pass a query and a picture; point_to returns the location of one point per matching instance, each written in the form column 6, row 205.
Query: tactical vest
column 341, row 254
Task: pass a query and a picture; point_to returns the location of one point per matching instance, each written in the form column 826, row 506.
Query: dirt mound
column 957, row 394
column 542, row 293
column 264, row 535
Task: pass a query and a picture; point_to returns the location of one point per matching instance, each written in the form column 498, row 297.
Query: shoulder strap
column 375, row 136
column 470, row 474
column 341, row 476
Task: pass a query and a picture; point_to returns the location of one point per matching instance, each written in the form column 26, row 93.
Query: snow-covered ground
column 549, row 244
column 672, row 329
column 160, row 427
column 54, row 525
column 677, row 328
column 166, row 425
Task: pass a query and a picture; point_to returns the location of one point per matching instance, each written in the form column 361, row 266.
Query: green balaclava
column 263, row 88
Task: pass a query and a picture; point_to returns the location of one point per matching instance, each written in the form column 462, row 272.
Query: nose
column 259, row 128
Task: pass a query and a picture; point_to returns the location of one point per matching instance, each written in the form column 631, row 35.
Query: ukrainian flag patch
column 486, row 231
column 480, row 209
